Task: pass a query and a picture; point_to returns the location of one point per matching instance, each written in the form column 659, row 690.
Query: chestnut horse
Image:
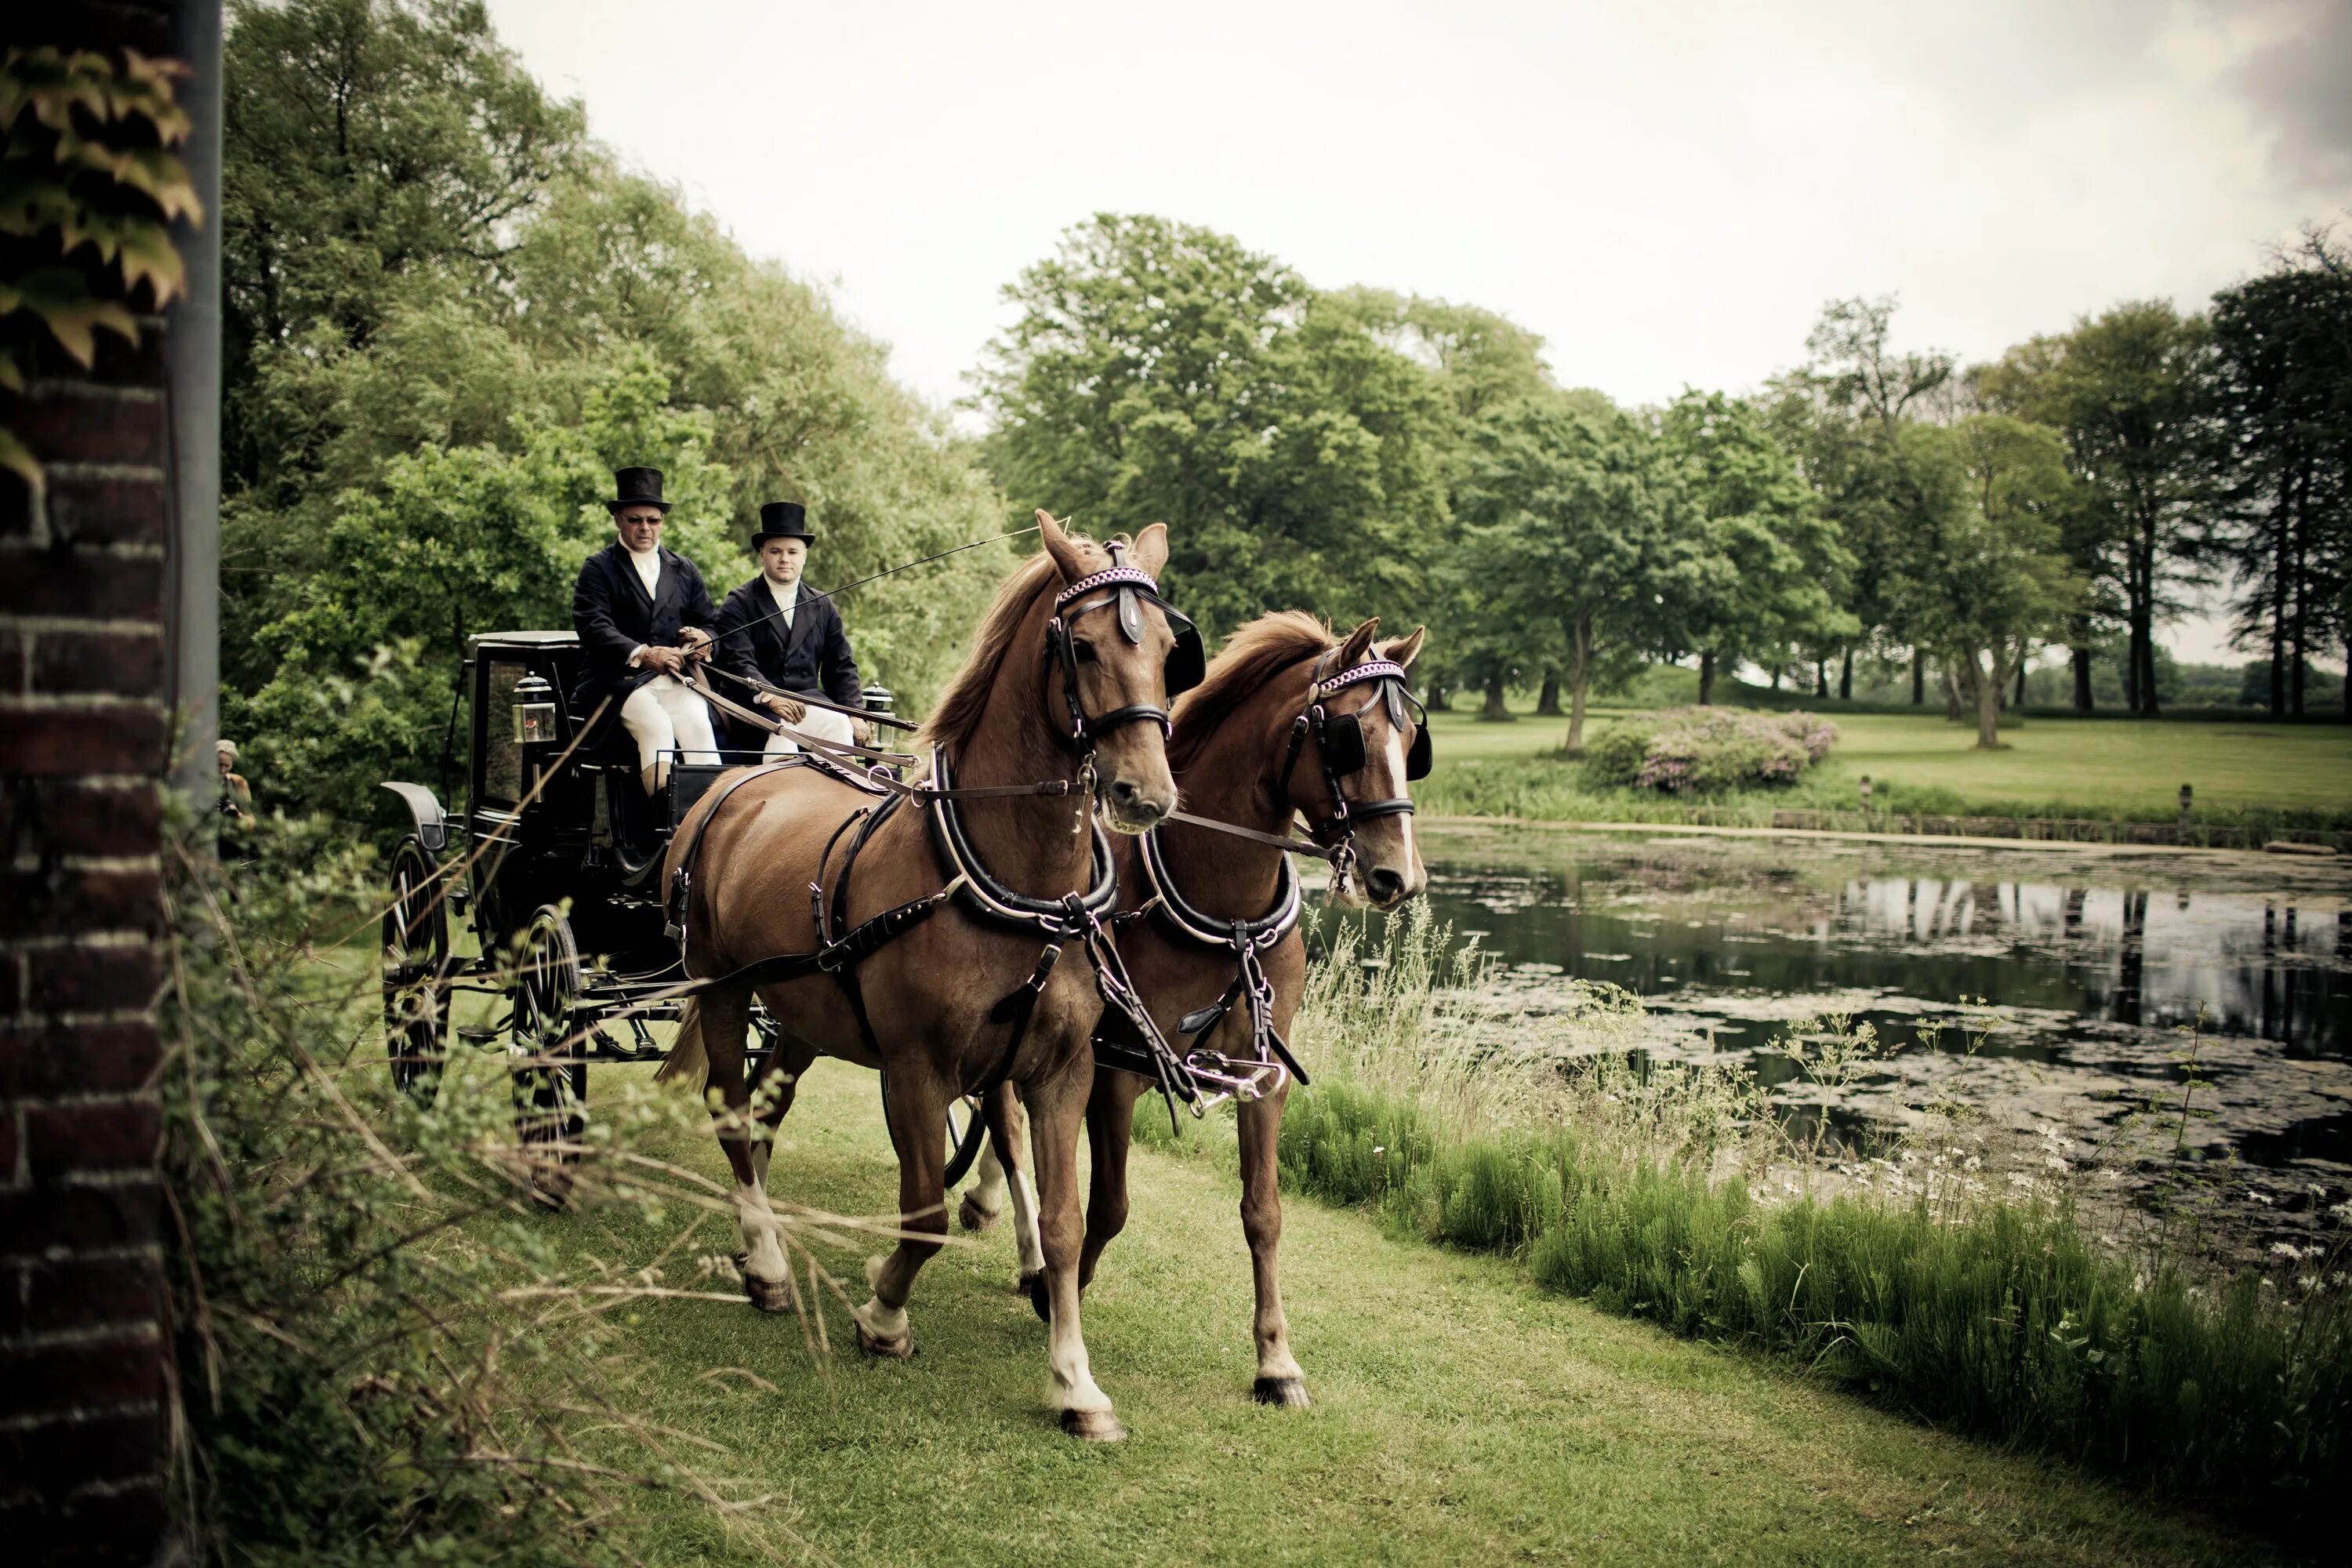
column 1235, row 761
column 1050, row 689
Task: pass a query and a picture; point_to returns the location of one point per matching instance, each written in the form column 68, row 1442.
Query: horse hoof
column 769, row 1295
column 898, row 1348
column 1033, row 1287
column 1290, row 1392
column 1093, row 1425
column 972, row 1216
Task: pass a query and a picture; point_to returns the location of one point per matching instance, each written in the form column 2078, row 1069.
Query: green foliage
column 1161, row 371
column 1998, row 1316
column 450, row 320
column 1574, row 520
column 88, row 174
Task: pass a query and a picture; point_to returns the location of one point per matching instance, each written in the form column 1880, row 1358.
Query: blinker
column 1343, row 743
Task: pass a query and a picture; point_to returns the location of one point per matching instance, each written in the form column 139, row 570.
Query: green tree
column 1576, row 523
column 2127, row 390
column 1786, row 567
column 1160, row 372
column 2283, row 401
column 1998, row 577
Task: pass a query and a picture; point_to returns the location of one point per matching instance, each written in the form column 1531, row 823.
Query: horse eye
column 1085, row 652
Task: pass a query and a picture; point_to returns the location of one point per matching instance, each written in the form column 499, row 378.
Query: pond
column 2045, row 990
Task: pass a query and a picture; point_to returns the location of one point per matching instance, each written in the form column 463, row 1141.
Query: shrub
column 1707, row 750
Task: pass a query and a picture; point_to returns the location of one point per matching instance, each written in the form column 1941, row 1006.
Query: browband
column 1371, row 669
column 1104, row 578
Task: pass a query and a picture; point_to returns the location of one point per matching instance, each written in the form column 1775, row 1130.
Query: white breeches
column 663, row 715
column 820, row 722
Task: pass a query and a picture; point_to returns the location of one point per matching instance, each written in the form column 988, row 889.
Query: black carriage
column 555, row 867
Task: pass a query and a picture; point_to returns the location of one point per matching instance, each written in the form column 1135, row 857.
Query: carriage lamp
column 877, row 698
column 534, row 712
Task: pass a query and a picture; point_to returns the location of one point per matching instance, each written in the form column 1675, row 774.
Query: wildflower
column 2286, row 1249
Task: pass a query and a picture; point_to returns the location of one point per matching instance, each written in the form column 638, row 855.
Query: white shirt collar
column 786, row 596
column 648, row 566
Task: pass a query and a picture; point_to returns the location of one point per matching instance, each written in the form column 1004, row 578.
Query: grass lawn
column 1462, row 1415
column 2096, row 765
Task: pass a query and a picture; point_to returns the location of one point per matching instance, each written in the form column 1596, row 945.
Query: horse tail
column 687, row 1059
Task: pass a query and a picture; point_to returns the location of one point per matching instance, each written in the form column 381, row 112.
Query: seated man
column 639, row 610
column 774, row 629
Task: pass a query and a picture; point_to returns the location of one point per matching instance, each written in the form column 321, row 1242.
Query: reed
column 1670, row 1193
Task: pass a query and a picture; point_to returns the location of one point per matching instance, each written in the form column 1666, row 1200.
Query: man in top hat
column 775, row 628
column 640, row 610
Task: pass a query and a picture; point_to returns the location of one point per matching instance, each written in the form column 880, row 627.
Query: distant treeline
column 1357, row 452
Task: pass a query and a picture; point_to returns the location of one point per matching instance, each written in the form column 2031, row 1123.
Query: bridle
column 1340, row 752
column 1129, row 587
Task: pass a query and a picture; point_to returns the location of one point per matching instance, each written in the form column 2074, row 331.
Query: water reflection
column 2085, row 988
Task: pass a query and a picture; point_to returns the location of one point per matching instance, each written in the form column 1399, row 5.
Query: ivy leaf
column 61, row 298
column 18, row 459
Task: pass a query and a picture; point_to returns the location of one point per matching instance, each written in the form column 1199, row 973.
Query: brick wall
column 85, row 1388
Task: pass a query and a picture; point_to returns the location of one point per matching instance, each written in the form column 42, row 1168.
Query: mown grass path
column 1462, row 1415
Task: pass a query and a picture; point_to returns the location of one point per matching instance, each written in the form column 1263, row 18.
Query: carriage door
column 495, row 808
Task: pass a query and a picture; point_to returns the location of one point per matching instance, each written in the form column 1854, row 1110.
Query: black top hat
column 636, row 487
column 782, row 519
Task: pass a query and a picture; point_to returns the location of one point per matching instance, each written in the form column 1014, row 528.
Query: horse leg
column 1279, row 1379
column 724, row 1018
column 1111, row 1128
column 1055, row 1109
column 919, row 1126
column 999, row 1157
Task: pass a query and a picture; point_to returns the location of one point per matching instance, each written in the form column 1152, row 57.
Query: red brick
column 13, row 663
column 93, row 979
column 85, row 1059
column 104, row 741
column 64, row 423
column 35, row 903
column 116, row 663
column 107, row 512
column 11, row 1119
column 15, row 502
column 109, row 1529
column 67, row 816
column 53, row 1379
column 104, row 1135
column 81, row 583
column 57, row 1456
column 44, row 1296
column 35, row 1219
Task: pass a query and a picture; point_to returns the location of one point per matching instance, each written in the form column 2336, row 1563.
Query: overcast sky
column 1667, row 193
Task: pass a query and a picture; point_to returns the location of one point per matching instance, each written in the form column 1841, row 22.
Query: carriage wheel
column 547, row 1058
column 417, row 973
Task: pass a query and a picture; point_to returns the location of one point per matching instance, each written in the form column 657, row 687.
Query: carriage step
column 478, row 1033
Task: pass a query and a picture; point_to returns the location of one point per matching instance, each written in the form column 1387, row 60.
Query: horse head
column 1366, row 752
column 1115, row 646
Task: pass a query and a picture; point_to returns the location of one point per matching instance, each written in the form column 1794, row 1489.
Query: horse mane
column 955, row 717
column 1251, row 657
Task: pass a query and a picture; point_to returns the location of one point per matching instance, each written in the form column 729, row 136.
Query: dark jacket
column 614, row 617
column 812, row 656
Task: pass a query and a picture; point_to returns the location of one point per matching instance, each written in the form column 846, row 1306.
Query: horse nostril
column 1123, row 791
column 1385, row 886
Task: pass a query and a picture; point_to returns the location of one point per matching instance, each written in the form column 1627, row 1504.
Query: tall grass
column 1669, row 1193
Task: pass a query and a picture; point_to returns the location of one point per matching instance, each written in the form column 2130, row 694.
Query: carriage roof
column 531, row 642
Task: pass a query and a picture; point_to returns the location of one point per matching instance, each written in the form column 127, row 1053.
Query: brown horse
column 1235, row 761
column 1049, row 690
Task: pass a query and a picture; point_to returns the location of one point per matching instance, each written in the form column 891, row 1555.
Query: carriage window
column 501, row 758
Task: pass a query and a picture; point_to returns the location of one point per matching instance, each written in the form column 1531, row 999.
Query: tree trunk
column 1580, row 676
column 1918, row 678
column 2079, row 656
column 1845, row 675
column 1494, row 708
column 2142, row 618
column 2300, row 618
column 2278, row 624
column 1776, row 675
column 1548, row 700
column 1706, row 678
column 1989, row 684
column 2019, row 701
column 1438, row 702
column 1821, row 677
column 1958, row 696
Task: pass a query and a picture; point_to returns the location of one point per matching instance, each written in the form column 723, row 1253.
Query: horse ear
column 1060, row 547
column 1151, row 548
column 1402, row 651
column 1358, row 642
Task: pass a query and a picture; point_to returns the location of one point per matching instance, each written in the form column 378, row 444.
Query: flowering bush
column 1679, row 749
